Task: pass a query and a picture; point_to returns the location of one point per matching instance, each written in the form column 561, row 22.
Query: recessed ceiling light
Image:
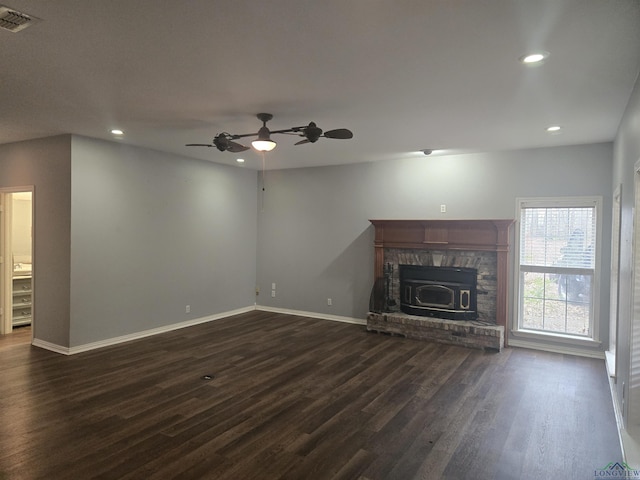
column 534, row 58
column 554, row 129
column 117, row 131
column 240, row 160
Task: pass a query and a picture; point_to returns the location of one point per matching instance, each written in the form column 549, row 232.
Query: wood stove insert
column 442, row 292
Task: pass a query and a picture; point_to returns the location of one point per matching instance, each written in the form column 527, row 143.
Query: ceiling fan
column 225, row 142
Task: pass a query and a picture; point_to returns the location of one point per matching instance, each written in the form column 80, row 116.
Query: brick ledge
column 454, row 332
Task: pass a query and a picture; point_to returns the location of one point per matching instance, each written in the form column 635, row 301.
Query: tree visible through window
column 557, row 269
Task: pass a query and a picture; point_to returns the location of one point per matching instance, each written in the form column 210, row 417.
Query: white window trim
column 560, row 202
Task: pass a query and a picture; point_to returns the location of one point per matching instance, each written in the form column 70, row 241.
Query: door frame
column 611, row 354
column 6, row 266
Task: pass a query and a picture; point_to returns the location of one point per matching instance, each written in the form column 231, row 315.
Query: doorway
column 16, row 259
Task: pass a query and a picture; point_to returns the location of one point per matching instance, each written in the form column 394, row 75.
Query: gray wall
column 45, row 164
column 315, row 240
column 152, row 233
column 626, row 153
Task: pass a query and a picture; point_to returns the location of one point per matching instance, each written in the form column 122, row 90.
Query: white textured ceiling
column 403, row 75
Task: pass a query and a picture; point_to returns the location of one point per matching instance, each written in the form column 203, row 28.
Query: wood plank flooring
column 300, row 398
column 19, row 336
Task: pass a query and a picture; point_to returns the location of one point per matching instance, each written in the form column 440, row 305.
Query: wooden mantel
column 468, row 235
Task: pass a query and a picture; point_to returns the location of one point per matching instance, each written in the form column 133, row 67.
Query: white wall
column 152, row 233
column 315, row 240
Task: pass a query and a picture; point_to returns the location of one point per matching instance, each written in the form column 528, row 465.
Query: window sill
column 555, row 337
column 563, row 344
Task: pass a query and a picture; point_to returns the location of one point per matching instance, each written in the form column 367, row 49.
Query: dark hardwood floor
column 299, row 398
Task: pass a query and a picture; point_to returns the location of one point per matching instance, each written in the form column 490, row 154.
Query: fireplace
column 441, row 292
column 468, row 308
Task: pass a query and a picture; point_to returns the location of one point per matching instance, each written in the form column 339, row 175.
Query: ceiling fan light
column 264, row 145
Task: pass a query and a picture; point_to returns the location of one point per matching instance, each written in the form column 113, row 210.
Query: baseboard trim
column 135, row 336
column 50, row 346
column 188, row 323
column 630, row 448
column 322, row 316
column 625, row 446
column 556, row 348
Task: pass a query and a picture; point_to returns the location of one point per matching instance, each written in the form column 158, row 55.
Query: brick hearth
column 454, row 332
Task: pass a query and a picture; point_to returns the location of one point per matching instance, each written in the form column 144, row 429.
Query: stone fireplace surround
column 479, row 244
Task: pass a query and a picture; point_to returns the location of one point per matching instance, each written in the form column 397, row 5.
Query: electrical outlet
column 187, row 309
column 273, row 286
column 257, row 291
column 273, row 293
column 329, row 302
column 443, row 208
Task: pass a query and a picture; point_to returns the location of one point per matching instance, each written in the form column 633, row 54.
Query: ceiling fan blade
column 341, row 133
column 235, row 147
column 198, row 145
column 306, row 140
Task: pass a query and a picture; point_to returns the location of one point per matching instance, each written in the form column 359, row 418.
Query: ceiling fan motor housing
column 264, row 134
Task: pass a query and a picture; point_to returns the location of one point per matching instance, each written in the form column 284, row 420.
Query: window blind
column 558, row 237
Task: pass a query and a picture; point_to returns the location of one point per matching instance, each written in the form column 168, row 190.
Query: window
column 558, row 242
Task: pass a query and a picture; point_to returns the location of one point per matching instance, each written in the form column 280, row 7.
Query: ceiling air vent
column 14, row 21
